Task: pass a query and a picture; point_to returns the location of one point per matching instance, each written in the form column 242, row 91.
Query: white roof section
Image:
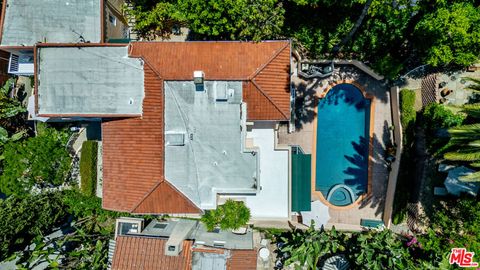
column 272, row 200
column 210, row 157
column 51, row 21
column 89, row 81
column 455, row 186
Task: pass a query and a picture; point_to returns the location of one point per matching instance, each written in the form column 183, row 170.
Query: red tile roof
column 242, row 260
column 133, row 148
column 144, row 253
column 265, row 65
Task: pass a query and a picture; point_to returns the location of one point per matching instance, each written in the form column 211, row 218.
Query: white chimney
column 198, row 76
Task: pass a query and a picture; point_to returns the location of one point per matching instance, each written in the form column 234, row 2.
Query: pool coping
column 318, row 194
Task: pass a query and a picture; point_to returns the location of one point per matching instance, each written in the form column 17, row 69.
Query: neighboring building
column 177, row 245
column 25, row 23
column 185, row 126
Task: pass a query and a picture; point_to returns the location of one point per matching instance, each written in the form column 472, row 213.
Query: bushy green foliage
column 42, row 161
column 435, row 117
column 450, row 34
column 364, row 250
column 231, row 215
column 21, row 219
column 408, row 115
column 88, row 167
column 82, row 206
column 155, row 19
column 378, row 250
column 312, row 246
column 234, row 19
column 406, row 173
column 9, row 107
column 454, row 224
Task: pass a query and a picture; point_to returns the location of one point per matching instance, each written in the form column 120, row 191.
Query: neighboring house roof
column 216, row 259
column 88, row 81
column 143, row 253
column 133, row 148
column 242, row 260
column 26, row 22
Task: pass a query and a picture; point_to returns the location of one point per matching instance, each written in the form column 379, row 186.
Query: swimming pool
column 342, row 144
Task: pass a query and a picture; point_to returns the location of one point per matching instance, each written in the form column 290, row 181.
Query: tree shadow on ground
column 305, row 103
column 358, row 170
column 345, row 95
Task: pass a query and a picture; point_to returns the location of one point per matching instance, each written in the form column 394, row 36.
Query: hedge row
column 407, row 103
column 88, row 168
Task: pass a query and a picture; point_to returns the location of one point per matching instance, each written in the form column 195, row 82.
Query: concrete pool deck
column 372, row 206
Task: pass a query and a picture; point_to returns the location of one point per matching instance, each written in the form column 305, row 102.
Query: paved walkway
column 372, row 207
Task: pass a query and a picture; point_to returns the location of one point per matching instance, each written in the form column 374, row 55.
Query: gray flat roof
column 89, row 81
column 205, row 141
column 53, row 21
column 200, row 234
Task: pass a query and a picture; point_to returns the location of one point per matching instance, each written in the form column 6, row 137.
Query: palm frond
column 475, row 143
column 473, row 177
column 475, row 164
column 463, row 155
column 465, row 132
column 472, row 110
column 476, row 84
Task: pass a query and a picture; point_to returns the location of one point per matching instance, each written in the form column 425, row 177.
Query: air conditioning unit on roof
column 21, row 64
column 198, row 76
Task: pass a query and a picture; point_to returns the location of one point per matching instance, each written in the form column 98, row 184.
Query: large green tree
column 450, row 34
column 154, row 19
column 22, row 219
column 231, row 215
column 41, row 161
column 234, row 19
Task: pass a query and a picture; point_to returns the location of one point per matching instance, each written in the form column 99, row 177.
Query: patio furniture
column 445, row 92
column 371, row 223
column 316, row 72
column 336, row 262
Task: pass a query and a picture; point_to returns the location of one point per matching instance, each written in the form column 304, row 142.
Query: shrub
column 41, row 161
column 406, row 174
column 436, row 117
column 21, row 219
column 407, row 103
column 88, row 168
column 231, row 215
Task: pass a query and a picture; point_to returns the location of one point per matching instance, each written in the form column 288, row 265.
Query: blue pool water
column 343, row 123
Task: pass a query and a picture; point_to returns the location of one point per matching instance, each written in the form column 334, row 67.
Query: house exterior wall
column 116, row 26
column 4, row 58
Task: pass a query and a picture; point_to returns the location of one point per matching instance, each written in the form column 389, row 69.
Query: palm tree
column 476, row 84
column 465, row 140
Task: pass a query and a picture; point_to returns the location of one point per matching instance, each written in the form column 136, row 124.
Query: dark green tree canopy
column 21, row 219
column 234, row 19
